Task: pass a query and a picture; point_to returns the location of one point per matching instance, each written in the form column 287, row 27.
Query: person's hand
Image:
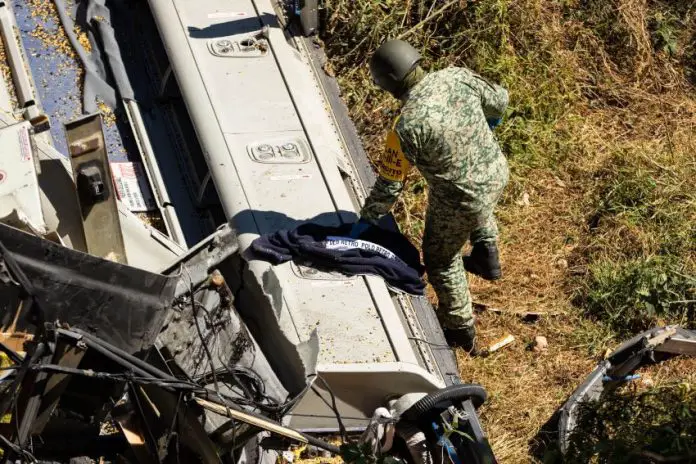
column 358, row 228
column 493, row 123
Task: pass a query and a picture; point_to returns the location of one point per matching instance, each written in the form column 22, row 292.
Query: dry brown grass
column 602, row 106
column 525, row 387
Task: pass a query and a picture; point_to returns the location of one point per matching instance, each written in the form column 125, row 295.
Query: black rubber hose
column 145, row 366
column 460, row 392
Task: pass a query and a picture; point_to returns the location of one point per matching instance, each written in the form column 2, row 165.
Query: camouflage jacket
column 443, row 131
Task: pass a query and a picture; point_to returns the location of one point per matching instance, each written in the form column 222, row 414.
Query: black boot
column 464, row 338
column 483, row 261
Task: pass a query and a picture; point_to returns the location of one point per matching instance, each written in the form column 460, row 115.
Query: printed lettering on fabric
column 345, row 243
column 393, row 165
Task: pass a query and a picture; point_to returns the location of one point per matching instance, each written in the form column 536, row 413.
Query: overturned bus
column 146, row 146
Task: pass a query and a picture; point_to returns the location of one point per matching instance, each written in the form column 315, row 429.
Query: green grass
column 656, row 205
column 637, row 295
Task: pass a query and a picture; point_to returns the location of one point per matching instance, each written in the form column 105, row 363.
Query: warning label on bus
column 132, row 187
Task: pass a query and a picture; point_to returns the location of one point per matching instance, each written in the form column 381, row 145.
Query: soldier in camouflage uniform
column 445, row 130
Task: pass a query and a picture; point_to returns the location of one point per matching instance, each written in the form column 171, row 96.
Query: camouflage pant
column 447, row 229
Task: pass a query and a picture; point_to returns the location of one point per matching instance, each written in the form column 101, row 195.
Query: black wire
column 176, row 384
column 194, row 306
column 122, row 377
column 261, row 387
column 221, row 400
column 249, row 399
column 148, row 370
column 205, row 346
column 334, row 408
column 325, row 416
column 18, row 450
column 203, row 343
column 224, row 372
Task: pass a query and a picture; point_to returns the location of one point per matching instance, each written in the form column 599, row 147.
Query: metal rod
column 266, row 424
column 119, row 355
column 31, row 409
column 114, row 357
column 171, row 220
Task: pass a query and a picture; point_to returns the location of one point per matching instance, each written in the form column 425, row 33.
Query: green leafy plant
column 355, row 453
column 453, row 428
column 639, row 294
column 664, row 33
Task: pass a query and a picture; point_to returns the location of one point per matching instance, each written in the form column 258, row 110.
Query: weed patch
column 640, row 294
column 639, row 211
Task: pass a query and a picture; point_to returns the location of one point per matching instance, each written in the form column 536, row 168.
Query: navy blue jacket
column 314, row 245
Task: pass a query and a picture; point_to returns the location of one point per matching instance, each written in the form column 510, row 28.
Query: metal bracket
column 101, row 220
column 252, row 46
column 195, row 266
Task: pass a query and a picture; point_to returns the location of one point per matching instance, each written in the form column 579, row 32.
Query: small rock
column 541, row 345
column 524, row 200
column 562, row 263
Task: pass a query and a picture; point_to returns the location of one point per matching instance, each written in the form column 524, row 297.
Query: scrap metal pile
column 106, row 361
column 101, row 359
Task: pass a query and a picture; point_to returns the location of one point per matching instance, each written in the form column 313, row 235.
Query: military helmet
column 391, row 63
